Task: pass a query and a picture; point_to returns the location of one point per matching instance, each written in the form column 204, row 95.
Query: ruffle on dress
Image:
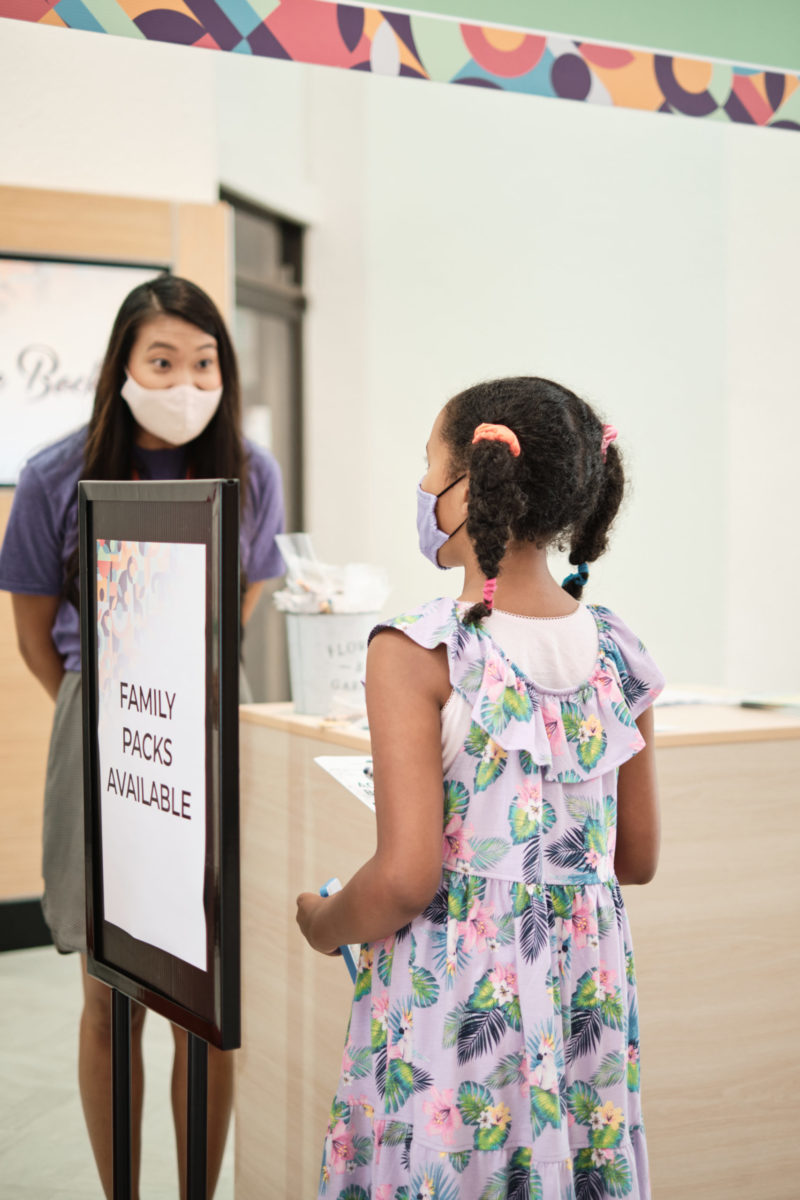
column 570, row 736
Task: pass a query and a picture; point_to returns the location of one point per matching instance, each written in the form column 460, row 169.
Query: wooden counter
column 714, row 933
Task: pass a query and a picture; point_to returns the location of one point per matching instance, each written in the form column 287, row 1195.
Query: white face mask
column 176, row 414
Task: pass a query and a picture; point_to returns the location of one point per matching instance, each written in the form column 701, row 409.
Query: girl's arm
column 406, row 688
column 638, row 823
column 33, row 618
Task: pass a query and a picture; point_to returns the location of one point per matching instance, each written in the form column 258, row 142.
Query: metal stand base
column 197, row 1099
column 121, row 1093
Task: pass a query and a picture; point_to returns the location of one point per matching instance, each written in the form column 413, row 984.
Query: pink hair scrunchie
column 609, row 436
column 489, row 589
column 497, row 433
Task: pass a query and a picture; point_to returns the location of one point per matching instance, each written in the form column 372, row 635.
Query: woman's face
column 168, row 351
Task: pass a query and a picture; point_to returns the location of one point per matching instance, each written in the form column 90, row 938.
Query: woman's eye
column 161, row 363
column 205, row 363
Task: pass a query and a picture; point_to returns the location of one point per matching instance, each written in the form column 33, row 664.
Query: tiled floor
column 44, row 1148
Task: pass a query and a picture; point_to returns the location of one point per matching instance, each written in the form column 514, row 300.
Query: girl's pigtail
column 495, row 502
column 590, row 539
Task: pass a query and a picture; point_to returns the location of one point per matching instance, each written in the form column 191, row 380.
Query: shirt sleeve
column 31, row 554
column 263, row 518
column 641, row 679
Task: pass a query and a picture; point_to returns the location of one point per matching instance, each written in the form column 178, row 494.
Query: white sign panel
column 55, row 321
column 151, row 612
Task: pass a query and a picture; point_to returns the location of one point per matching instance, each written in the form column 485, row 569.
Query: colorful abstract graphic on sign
column 434, row 48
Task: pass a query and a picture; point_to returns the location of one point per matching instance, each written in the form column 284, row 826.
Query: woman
column 167, row 406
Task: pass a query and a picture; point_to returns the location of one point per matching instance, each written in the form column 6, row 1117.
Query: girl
column 167, row 407
column 493, row 1043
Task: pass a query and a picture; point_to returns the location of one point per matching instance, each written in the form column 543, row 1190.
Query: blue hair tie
column 579, row 576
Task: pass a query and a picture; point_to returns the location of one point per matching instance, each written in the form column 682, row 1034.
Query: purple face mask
column 431, row 537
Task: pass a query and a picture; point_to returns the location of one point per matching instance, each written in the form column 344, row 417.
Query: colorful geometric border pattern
column 433, row 48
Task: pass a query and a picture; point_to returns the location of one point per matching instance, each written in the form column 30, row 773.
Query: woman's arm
column 33, row 618
column 406, row 688
column 638, row 823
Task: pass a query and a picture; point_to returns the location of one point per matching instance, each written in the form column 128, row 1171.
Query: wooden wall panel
column 26, row 712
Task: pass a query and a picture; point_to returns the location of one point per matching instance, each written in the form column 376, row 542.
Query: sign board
column 55, row 320
column 160, row 657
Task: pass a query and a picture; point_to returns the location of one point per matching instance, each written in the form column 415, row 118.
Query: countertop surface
column 676, row 725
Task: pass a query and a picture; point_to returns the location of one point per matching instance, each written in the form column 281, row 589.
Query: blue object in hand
column 350, row 953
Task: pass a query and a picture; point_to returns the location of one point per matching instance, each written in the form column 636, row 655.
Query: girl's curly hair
column 559, row 491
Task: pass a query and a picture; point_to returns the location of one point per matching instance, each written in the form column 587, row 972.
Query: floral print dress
column 493, row 1046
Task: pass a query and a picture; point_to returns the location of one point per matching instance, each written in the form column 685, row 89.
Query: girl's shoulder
column 571, row 735
column 430, row 624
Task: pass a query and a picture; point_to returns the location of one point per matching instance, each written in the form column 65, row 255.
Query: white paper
column 349, row 771
column 55, row 319
column 152, row 742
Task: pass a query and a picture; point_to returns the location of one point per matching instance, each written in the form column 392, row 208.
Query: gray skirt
column 63, row 859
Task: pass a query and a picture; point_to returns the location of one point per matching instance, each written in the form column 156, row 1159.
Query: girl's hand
column 309, row 906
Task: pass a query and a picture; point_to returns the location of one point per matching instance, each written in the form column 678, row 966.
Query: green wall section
column 739, row 31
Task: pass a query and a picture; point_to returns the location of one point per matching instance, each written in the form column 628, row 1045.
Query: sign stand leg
column 121, row 1093
column 197, row 1118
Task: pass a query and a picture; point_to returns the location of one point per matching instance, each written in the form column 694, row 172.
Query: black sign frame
column 206, row 1003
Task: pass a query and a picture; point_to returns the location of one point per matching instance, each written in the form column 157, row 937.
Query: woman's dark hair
column 558, row 491
column 217, row 452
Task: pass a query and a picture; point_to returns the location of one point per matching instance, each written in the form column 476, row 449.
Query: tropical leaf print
column 452, row 1025
column 510, row 1070
column 436, row 912
column 530, row 814
column 459, row 1160
column 534, row 931
column 394, row 1133
column 634, row 689
column 569, row 851
column 589, row 1185
column 353, row 1192
column 364, row 976
column 622, row 713
column 611, row 1071
column 480, row 1032
column 586, row 1027
column 424, row 988
column 632, row 1067
column 492, row 757
column 526, row 761
column 432, row 1181
column 532, row 861
column 617, row 1176
column 361, row 1061
column 488, row 852
column 513, row 704
column 497, row 1186
column 464, row 891
column 402, row 1079
column 586, row 732
column 582, row 1100
column 385, row 959
column 505, row 929
column 569, row 776
column 545, row 1109
column 456, row 800
column 579, row 807
column 471, row 680
column 473, row 1098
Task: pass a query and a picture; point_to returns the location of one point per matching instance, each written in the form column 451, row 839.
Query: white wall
column 648, row 262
